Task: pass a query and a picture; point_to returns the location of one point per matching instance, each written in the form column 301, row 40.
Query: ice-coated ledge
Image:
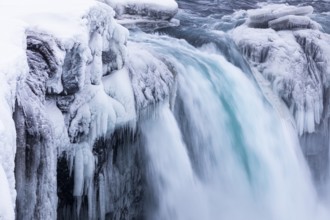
column 67, row 80
column 271, row 12
column 290, row 51
column 163, row 10
column 282, row 17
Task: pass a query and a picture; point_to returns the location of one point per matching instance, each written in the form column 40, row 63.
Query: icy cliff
column 293, row 54
column 70, row 89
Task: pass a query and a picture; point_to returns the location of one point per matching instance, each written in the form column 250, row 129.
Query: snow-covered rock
column 165, row 9
column 294, row 57
column 69, row 82
column 293, row 22
column 152, row 79
column 13, row 66
column 293, row 54
column 262, row 17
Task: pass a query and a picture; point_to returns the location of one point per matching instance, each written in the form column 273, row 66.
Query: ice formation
column 262, row 17
column 293, row 54
column 6, row 204
column 8, row 78
column 164, row 9
column 74, row 85
column 291, row 51
column 152, row 81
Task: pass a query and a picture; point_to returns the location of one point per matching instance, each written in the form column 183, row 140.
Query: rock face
column 292, row 52
column 36, row 153
column 76, row 114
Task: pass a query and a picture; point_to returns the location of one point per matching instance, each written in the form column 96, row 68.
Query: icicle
column 78, row 173
column 102, row 196
column 89, row 166
column 309, row 125
column 91, row 201
column 318, row 109
column 299, row 116
column 96, row 44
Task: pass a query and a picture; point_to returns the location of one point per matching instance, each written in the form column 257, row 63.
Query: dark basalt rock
column 109, row 58
column 40, row 54
column 73, row 69
column 64, row 102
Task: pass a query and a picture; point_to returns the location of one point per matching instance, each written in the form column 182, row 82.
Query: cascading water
column 170, row 169
column 234, row 156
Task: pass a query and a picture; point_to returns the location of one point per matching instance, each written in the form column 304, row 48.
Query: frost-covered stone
column 73, row 75
column 262, row 17
column 115, row 52
column 61, row 103
column 293, row 22
column 165, row 9
column 293, row 54
column 118, row 85
column 64, row 102
column 152, row 80
column 77, row 84
column 295, row 61
column 35, row 170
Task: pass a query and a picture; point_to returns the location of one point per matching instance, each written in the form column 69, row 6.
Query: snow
column 79, row 125
column 293, row 22
column 152, row 79
column 158, row 5
column 274, row 11
column 57, row 120
column 60, row 18
column 74, row 35
column 118, row 85
column 163, row 10
column 6, row 207
column 12, row 55
column 293, row 55
column 115, row 53
column 103, row 116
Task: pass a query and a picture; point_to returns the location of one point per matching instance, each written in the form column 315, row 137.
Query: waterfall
column 227, row 154
column 165, row 110
column 170, row 169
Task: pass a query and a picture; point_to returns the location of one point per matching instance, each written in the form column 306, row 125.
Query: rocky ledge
column 156, row 10
column 292, row 52
column 76, row 105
